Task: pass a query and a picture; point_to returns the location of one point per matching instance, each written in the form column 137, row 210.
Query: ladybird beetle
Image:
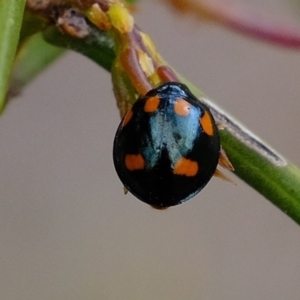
column 167, row 146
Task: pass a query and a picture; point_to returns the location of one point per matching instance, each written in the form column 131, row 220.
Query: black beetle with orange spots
column 167, row 146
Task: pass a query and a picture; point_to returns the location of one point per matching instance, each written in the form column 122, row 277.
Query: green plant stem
column 33, row 57
column 259, row 165
column 254, row 161
column 11, row 16
column 98, row 45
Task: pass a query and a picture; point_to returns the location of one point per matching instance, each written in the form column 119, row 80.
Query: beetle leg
column 225, row 163
column 222, row 176
column 224, row 160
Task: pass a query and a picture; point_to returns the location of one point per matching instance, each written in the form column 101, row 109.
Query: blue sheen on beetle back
column 168, row 131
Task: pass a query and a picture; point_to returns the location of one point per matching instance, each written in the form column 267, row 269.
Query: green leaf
column 11, row 16
column 28, row 64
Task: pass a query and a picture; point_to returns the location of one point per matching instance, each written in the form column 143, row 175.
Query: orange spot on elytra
column 206, row 123
column 186, row 167
column 151, row 104
column 134, row 162
column 127, row 117
column 182, row 107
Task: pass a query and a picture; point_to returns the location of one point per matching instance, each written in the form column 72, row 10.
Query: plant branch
column 254, row 161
